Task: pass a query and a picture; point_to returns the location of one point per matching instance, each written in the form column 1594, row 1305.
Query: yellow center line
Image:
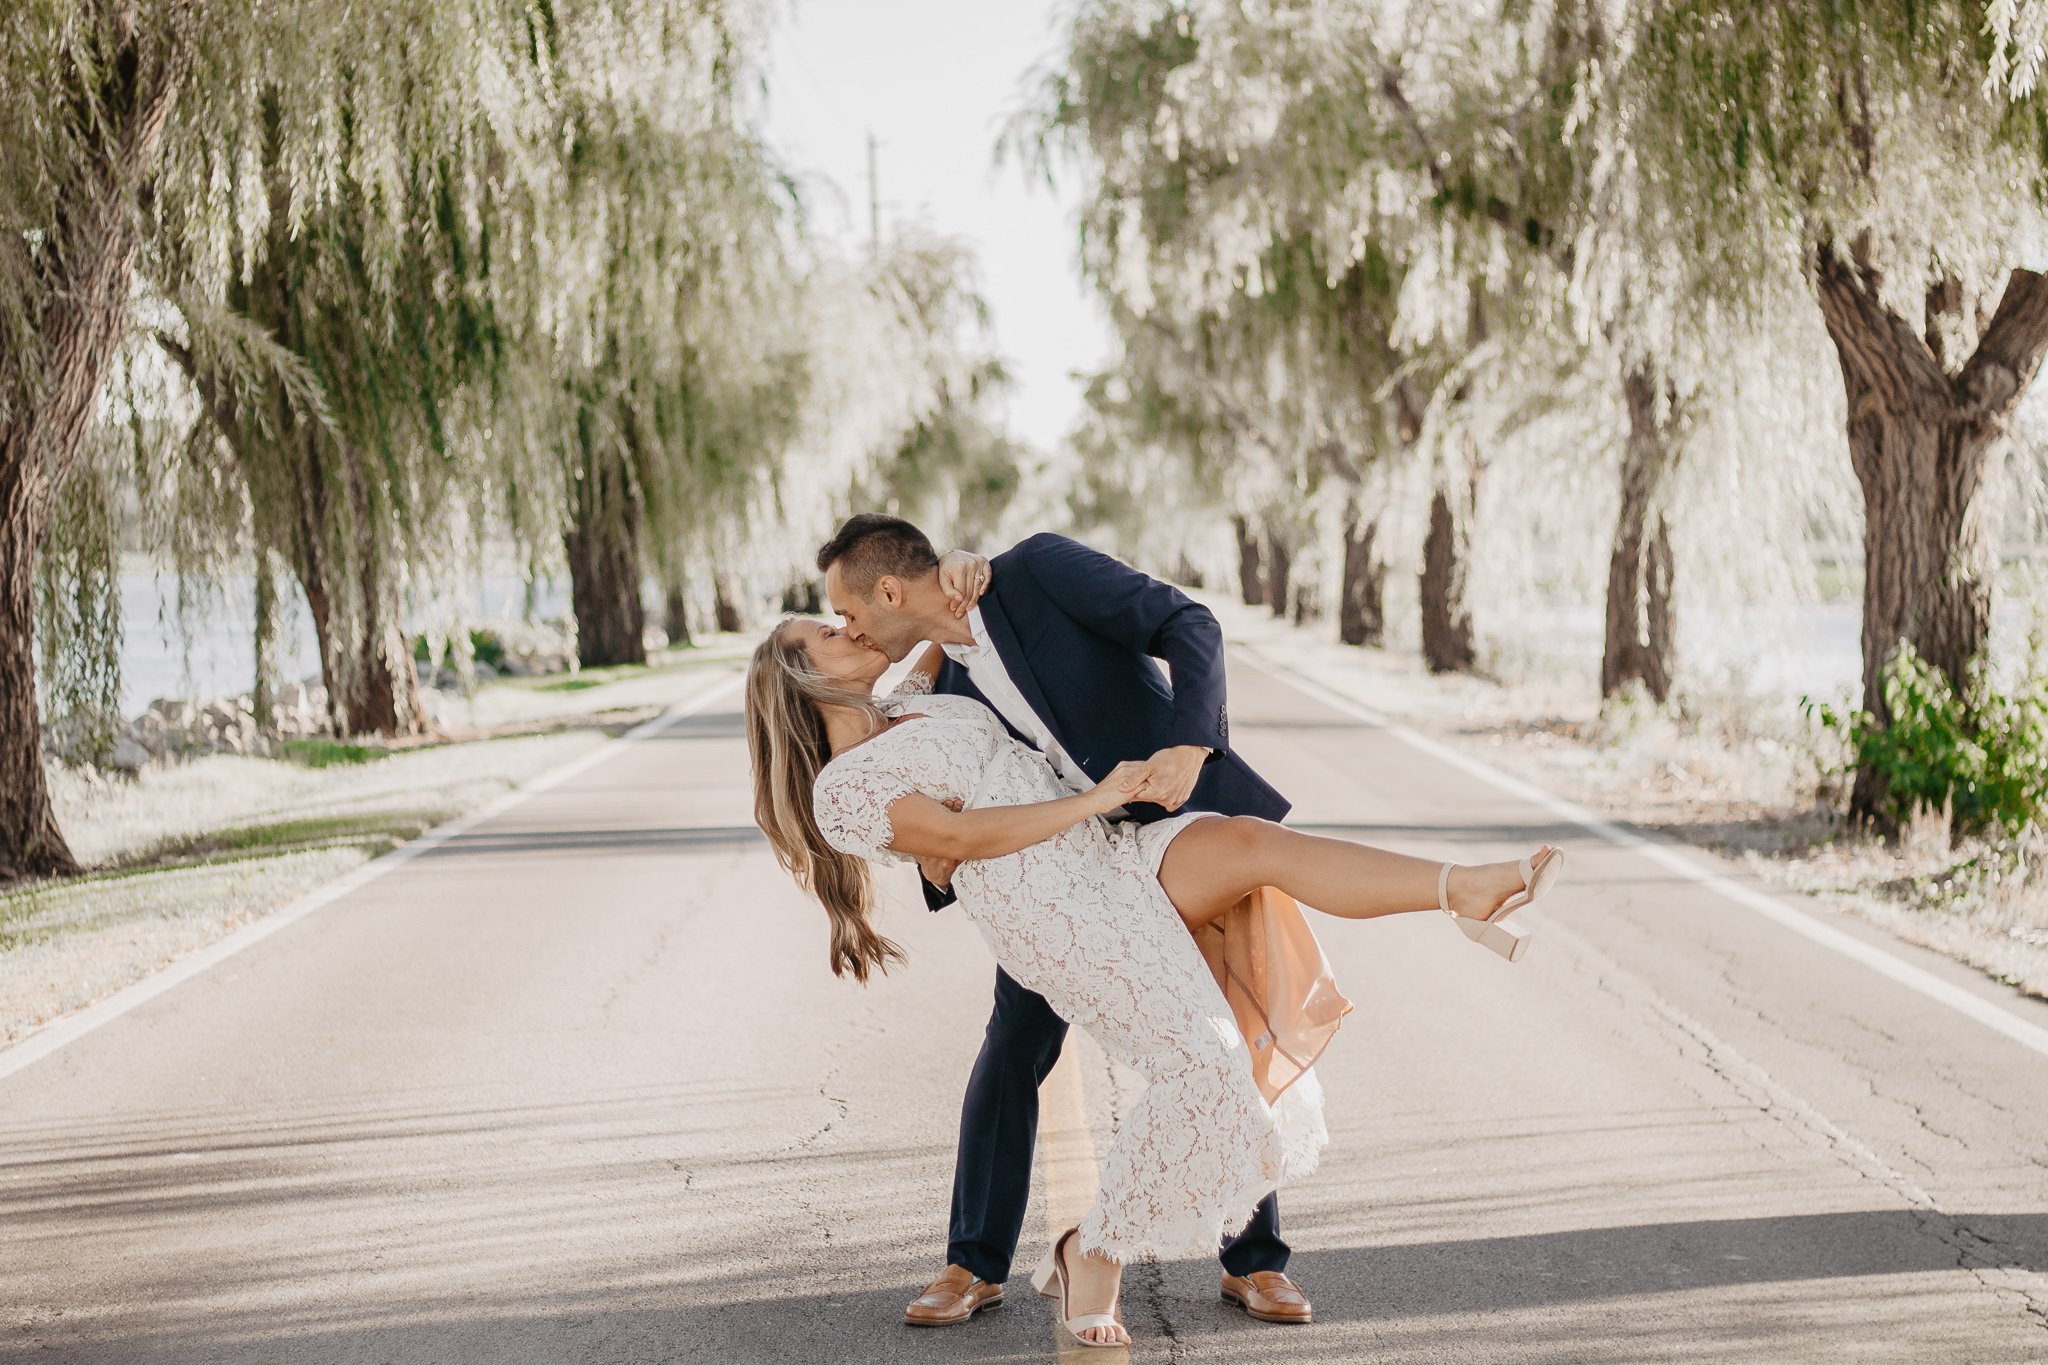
column 1066, row 1152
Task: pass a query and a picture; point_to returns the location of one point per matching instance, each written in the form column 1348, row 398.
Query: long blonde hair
column 787, row 742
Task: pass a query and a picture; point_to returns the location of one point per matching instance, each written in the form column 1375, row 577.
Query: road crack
column 1151, row 1286
column 2012, row 1284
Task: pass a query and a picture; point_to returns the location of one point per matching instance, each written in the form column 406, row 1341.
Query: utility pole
column 874, row 200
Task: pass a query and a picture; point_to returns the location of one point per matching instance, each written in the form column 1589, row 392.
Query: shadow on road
column 1654, row 1258
column 1403, row 1299
column 497, row 844
column 710, row 725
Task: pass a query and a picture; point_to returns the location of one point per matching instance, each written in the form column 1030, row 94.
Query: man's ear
column 889, row 592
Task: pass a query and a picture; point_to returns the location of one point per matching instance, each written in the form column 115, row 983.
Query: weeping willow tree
column 1244, row 205
column 1400, row 183
column 1487, row 154
column 1870, row 151
column 672, row 373
column 942, row 458
column 731, row 413
column 333, row 202
column 955, row 471
column 897, row 390
column 350, row 398
column 89, row 91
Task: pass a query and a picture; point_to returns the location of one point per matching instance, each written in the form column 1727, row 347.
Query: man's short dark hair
column 871, row 545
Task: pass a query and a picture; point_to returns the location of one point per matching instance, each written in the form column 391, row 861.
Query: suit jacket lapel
column 955, row 681
column 1012, row 654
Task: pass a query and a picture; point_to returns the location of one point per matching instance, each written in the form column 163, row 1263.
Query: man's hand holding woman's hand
column 1167, row 778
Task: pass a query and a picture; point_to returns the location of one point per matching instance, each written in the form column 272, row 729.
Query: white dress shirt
column 993, row 681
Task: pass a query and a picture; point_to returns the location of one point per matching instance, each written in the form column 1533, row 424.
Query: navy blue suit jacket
column 1078, row 632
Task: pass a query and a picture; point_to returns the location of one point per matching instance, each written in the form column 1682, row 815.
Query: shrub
column 1983, row 757
column 486, row 648
column 325, row 753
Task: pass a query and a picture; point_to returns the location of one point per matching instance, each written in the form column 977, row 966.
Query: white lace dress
column 1082, row 920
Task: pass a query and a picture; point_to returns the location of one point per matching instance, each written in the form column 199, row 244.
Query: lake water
column 1792, row 650
column 1807, row 649
column 1815, row 649
column 214, row 654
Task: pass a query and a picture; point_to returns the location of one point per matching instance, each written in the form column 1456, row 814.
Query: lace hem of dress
column 1303, row 1135
column 1191, row 1237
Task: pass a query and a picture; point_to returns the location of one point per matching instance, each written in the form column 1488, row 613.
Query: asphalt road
column 576, row 1086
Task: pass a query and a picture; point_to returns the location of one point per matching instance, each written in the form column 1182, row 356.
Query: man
column 1058, row 640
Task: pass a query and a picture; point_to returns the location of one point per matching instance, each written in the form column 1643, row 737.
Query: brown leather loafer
column 952, row 1299
column 1268, row 1296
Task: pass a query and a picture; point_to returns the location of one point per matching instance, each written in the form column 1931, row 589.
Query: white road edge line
column 2026, row 1034
column 47, row 1040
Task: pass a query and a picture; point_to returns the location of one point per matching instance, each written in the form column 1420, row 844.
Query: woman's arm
column 929, row 663
column 922, row 679
column 926, row 829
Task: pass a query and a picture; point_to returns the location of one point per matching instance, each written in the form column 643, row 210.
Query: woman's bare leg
column 1213, row 864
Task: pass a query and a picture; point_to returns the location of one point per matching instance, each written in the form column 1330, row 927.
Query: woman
column 1094, row 916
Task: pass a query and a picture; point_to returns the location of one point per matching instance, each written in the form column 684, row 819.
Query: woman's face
column 838, row 655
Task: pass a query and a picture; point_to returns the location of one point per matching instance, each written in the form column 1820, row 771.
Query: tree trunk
column 1919, row 439
column 1446, row 616
column 33, row 845
column 1251, row 579
column 1362, row 607
column 384, row 696
column 802, row 596
column 384, row 699
column 675, row 610
column 604, row 587
column 1279, row 568
column 725, row 604
column 301, row 463
column 89, row 260
column 1446, row 551
column 603, row 548
column 263, row 692
column 1639, row 572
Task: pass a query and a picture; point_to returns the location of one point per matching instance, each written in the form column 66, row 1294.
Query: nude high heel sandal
column 1509, row 940
column 1050, row 1279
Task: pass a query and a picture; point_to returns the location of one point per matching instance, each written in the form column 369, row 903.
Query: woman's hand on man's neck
column 933, row 611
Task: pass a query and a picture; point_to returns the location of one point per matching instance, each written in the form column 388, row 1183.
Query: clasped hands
column 1167, row 778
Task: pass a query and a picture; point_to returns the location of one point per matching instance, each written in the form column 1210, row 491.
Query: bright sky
column 935, row 81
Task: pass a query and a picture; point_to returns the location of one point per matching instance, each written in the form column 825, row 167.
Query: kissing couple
column 1094, row 823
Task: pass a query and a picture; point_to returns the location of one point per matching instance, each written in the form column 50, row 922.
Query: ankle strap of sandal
column 1443, row 889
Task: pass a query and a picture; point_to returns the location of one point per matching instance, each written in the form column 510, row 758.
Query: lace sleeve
column 914, row 684
column 852, row 808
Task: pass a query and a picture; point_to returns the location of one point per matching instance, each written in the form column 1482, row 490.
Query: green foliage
column 327, row 753
column 486, row 648
column 78, row 613
column 954, row 474
column 1982, row 757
